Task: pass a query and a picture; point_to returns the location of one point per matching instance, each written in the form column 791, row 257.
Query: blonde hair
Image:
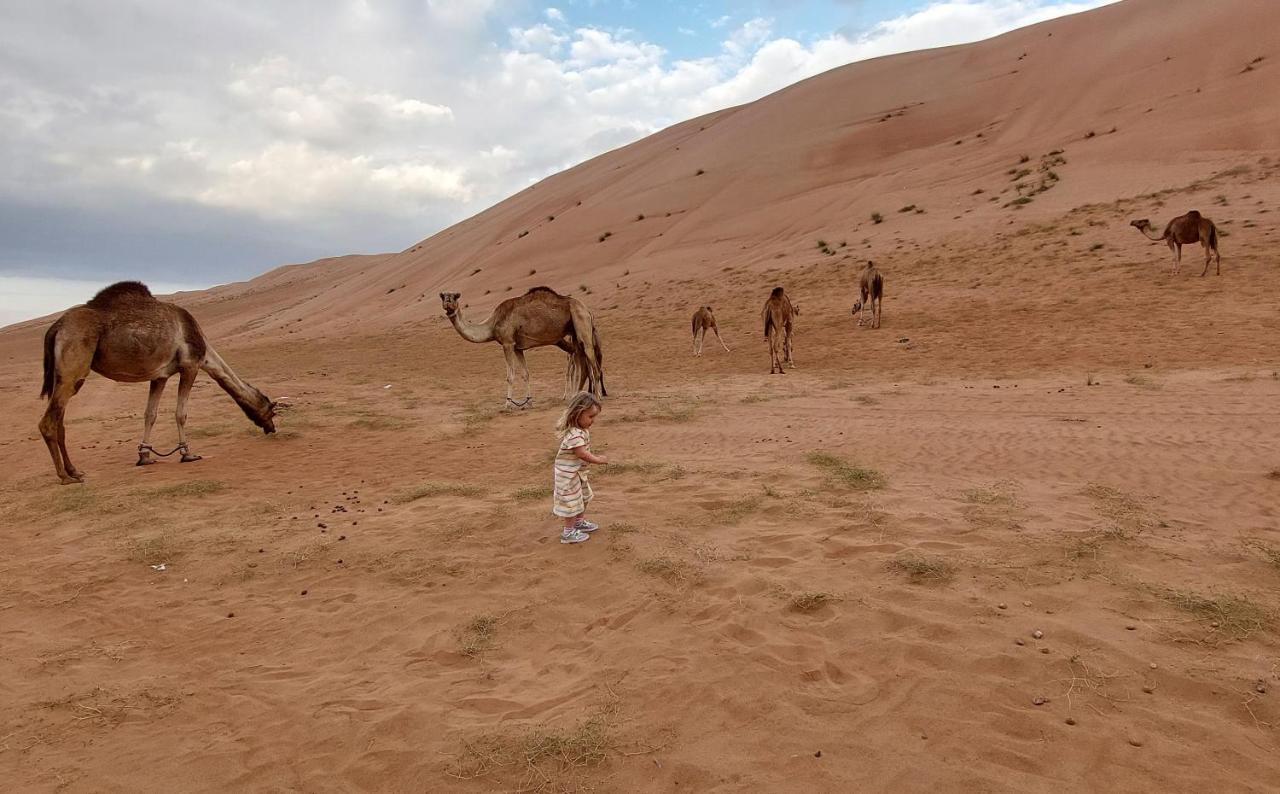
column 582, row 402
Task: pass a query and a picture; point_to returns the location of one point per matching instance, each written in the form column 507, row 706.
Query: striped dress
column 571, row 491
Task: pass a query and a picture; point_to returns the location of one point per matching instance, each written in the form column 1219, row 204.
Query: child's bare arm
column 585, row 454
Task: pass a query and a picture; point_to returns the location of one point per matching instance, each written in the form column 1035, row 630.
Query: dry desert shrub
column 922, row 568
column 846, row 474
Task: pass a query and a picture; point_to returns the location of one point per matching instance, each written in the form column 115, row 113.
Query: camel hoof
column 144, row 460
column 72, row 480
column 190, row 458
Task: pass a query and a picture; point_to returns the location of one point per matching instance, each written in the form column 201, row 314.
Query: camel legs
column 524, row 373
column 697, row 341
column 875, row 314
column 186, row 380
column 1176, row 248
column 786, row 347
column 775, row 353
column 716, row 331
column 1209, row 254
column 72, row 367
column 149, row 420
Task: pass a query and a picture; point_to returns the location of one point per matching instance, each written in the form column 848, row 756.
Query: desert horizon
column 1016, row 532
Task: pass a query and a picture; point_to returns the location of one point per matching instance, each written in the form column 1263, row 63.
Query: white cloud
column 376, row 123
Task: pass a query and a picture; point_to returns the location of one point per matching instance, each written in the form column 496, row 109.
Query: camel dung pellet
column 1002, row 606
column 231, row 614
column 1037, row 634
column 1135, row 741
column 323, row 525
column 1153, row 665
column 818, row 754
column 1131, row 627
column 1260, row 688
column 1148, row 689
column 342, row 537
column 304, row 592
column 1070, row 720
column 1020, row 641
column 1044, row 650
column 1026, row 603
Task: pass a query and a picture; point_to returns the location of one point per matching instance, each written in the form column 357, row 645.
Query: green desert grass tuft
column 845, row 473
column 922, row 568
column 429, row 489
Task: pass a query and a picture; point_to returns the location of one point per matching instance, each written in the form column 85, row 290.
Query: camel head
column 1141, row 225
column 449, row 300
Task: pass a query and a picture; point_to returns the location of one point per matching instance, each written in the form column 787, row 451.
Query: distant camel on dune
column 871, row 290
column 779, row 318
column 703, row 320
column 127, row 335
column 538, row 318
column 1184, row 230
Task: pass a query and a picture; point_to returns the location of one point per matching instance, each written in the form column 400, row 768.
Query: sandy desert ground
column 1021, row 538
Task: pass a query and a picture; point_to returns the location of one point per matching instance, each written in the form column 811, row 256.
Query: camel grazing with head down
column 871, row 292
column 127, row 335
column 1184, row 230
column 703, row 320
column 779, row 320
column 538, row 318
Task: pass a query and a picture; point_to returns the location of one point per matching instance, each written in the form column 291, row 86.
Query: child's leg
column 571, row 520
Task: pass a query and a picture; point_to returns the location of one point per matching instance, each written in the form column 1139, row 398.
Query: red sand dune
column 824, row 581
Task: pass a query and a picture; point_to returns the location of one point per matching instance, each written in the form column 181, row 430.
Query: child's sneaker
column 573, row 536
column 585, row 525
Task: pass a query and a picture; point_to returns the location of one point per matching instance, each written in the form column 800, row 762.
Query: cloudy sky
column 190, row 144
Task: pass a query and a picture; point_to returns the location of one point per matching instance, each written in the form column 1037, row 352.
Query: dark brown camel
column 126, row 335
column 1185, row 230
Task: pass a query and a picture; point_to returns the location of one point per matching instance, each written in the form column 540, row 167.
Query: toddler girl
column 572, row 491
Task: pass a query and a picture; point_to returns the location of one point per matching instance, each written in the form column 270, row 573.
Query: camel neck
column 472, row 333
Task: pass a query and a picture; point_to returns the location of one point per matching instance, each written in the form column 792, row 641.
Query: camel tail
column 50, row 359
column 595, row 335
column 1213, row 237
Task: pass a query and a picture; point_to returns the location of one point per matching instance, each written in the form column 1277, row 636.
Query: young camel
column 704, row 319
column 127, row 335
column 778, row 315
column 1184, row 230
column 871, row 290
column 538, row 318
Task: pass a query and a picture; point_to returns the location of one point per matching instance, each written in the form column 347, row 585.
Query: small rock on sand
column 1002, row 606
column 1020, row 641
column 1135, row 740
column 1037, row 634
column 1039, row 701
column 1070, row 720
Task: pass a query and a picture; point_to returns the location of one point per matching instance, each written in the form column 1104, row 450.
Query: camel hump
column 777, row 292
column 533, row 290
column 121, row 292
column 1194, row 215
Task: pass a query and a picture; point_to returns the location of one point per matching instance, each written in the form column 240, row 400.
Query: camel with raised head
column 127, row 335
column 538, row 318
column 1185, row 230
column 705, row 320
column 779, row 318
column 871, row 292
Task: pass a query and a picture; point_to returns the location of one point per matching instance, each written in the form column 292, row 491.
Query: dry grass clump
column 809, row 601
column 477, row 636
column 922, row 568
column 1231, row 617
column 181, row 489
column 532, row 492
column 654, row 471
column 737, row 510
column 539, row 757
column 430, row 489
column 1269, row 553
column 846, row 474
column 671, row 570
column 1127, row 514
column 153, row 550
column 665, row 413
